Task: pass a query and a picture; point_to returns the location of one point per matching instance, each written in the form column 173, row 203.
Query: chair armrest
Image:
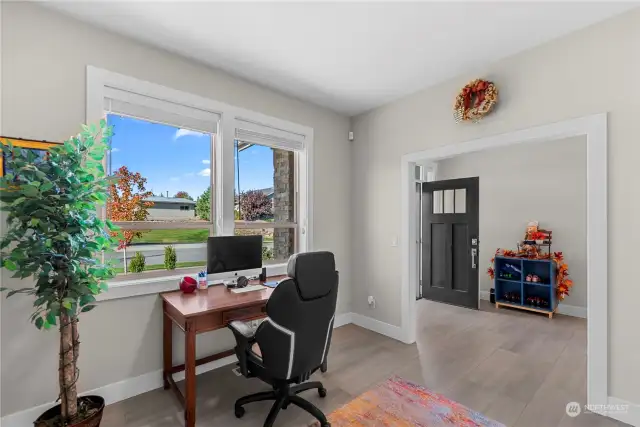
column 245, row 337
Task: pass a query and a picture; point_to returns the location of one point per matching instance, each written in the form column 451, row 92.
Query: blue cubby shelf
column 543, row 268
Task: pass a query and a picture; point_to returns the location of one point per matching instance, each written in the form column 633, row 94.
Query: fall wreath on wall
column 475, row 100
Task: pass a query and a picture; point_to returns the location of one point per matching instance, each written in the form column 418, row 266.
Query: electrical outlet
column 372, row 301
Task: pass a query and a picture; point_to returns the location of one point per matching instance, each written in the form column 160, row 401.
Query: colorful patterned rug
column 400, row 403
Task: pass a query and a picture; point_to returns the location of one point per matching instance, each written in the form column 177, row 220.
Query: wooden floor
column 518, row 368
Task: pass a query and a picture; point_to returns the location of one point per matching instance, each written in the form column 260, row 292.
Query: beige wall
column 44, row 56
column 546, row 182
column 591, row 71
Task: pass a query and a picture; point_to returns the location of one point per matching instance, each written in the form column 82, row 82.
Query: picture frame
column 40, row 147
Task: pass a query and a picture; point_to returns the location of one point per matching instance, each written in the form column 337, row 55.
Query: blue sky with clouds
column 173, row 159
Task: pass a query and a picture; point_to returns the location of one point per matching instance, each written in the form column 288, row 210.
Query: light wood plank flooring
column 517, row 368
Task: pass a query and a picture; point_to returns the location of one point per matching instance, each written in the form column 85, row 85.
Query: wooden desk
column 203, row 311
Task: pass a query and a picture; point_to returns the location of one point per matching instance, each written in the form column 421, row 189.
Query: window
column 265, row 198
column 163, row 173
column 197, row 168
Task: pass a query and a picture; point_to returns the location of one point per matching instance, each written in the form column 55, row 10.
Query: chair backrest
column 294, row 340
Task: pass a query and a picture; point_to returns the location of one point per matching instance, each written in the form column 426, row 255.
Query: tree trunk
column 76, row 342
column 68, row 392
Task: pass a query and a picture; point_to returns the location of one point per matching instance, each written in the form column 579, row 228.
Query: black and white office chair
column 293, row 341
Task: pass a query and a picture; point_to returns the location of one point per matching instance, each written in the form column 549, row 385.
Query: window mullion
column 225, row 172
column 213, row 215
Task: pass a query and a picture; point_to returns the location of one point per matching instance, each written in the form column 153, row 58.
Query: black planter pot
column 94, row 420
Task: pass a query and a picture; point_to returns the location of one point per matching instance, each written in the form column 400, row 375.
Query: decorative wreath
column 475, row 100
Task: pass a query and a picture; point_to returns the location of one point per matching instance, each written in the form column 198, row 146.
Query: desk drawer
column 247, row 313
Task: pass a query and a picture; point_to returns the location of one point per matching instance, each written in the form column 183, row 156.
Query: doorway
column 449, row 240
column 595, row 129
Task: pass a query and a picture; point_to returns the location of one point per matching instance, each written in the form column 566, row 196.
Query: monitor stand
column 233, row 275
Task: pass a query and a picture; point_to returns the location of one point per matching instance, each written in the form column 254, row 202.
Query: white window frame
column 223, row 166
column 266, row 136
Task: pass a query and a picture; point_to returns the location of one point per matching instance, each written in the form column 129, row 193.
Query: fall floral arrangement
column 475, row 100
column 562, row 277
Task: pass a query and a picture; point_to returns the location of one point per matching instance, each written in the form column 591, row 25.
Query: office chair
column 294, row 339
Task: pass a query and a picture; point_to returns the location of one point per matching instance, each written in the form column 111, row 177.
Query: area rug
column 400, row 403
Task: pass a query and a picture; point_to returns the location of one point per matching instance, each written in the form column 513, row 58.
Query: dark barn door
column 450, row 241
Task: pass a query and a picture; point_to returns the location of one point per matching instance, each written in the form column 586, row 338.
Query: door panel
column 449, row 234
column 438, row 259
column 460, row 259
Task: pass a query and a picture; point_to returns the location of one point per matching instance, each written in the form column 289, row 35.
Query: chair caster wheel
column 322, row 392
column 239, row 410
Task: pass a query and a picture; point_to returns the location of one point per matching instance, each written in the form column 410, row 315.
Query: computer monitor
column 233, row 253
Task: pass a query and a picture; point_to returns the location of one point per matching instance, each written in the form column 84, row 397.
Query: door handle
column 474, row 253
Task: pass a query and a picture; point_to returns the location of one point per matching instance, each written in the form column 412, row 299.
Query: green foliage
column 203, row 205
column 137, row 263
column 170, row 258
column 267, row 253
column 53, row 231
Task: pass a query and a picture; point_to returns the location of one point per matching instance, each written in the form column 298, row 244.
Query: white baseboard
column 567, row 310
column 374, row 325
column 572, row 310
column 131, row 387
column 114, row 392
column 630, row 414
column 342, row 319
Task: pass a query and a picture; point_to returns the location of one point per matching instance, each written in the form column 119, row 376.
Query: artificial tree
column 54, row 232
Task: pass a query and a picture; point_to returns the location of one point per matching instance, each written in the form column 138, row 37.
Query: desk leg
column 167, row 348
column 190, row 375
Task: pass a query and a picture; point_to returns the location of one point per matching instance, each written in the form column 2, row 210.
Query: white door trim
column 594, row 127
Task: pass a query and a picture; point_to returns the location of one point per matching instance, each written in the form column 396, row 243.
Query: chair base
column 284, row 395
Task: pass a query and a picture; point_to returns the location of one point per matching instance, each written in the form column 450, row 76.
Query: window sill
column 140, row 286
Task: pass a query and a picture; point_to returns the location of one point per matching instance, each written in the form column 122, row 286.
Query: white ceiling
column 350, row 57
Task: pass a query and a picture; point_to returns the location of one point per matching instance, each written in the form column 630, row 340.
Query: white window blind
column 127, row 103
column 256, row 133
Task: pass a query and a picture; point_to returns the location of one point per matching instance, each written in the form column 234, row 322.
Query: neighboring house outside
column 170, row 208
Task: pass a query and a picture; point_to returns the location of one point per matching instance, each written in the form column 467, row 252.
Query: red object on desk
column 188, row 284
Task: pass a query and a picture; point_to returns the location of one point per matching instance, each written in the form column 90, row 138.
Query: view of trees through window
column 163, row 176
column 265, row 198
